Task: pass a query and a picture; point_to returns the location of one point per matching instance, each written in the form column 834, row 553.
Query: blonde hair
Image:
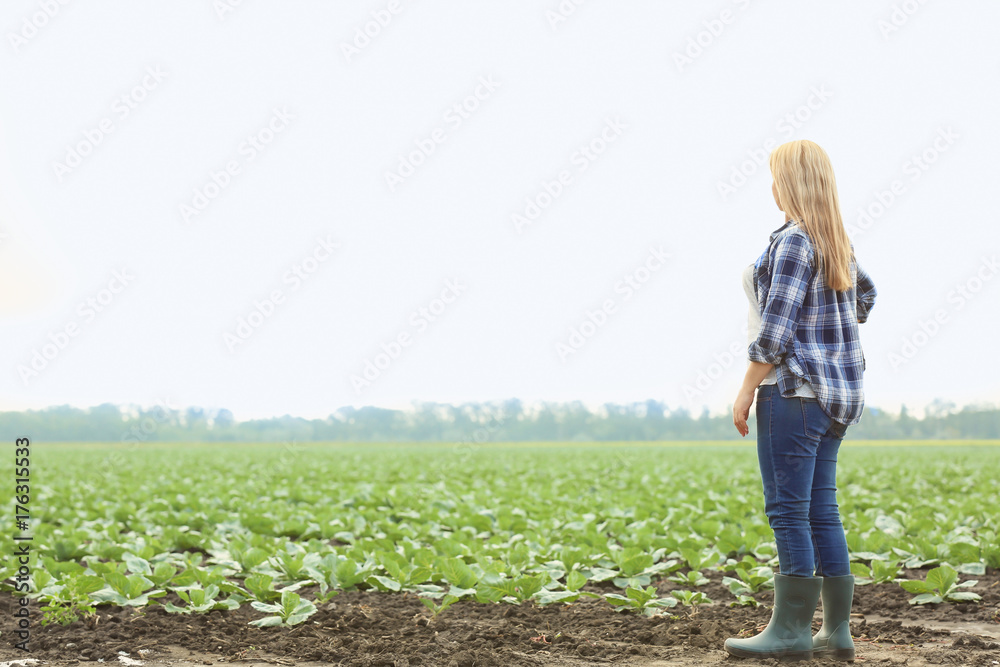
column 807, row 193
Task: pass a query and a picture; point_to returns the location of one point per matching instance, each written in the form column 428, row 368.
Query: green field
column 231, row 524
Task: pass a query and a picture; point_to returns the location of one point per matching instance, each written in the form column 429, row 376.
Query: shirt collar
column 780, row 229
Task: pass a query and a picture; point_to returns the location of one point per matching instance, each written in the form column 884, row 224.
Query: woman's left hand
column 741, row 410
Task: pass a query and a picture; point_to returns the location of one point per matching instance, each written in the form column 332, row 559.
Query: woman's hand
column 756, row 372
column 741, row 410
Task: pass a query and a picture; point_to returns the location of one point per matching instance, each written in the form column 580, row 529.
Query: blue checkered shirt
column 809, row 331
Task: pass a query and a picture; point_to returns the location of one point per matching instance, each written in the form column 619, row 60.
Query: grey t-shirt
column 753, row 328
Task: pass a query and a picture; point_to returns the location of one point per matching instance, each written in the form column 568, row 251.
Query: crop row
column 220, row 526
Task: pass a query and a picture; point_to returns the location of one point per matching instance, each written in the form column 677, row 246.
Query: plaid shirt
column 809, row 331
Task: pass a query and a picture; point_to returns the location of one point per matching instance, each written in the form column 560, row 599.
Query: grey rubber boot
column 834, row 639
column 788, row 635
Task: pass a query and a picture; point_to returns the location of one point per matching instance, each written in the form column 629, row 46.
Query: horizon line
column 529, row 405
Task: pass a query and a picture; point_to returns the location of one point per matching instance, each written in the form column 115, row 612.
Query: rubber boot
column 788, row 635
column 834, row 639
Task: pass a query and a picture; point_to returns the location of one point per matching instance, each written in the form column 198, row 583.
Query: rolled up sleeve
column 866, row 294
column 791, row 270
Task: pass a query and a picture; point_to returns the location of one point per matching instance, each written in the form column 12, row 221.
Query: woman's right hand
column 741, row 410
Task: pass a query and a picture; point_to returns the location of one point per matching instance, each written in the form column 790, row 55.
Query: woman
column 808, row 294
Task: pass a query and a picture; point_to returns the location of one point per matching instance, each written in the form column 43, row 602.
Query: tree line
column 506, row 420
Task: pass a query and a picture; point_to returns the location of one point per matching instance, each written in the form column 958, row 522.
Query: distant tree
column 499, row 420
column 223, row 419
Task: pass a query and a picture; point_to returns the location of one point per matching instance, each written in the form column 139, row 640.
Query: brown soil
column 381, row 629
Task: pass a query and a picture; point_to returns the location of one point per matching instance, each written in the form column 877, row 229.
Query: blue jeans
column 797, row 447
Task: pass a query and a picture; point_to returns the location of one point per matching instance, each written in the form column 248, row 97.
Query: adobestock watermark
column 225, row 7
column 142, row 431
column 899, row 17
column 561, row 13
column 453, row 118
column 957, row 299
column 621, row 462
column 721, row 362
column 420, row 320
column 364, row 34
column 87, row 311
column 248, row 151
column 596, row 319
column 914, row 167
column 121, row 108
column 296, row 276
column 34, row 23
column 553, row 188
column 146, row 428
column 712, row 30
column 481, row 435
column 786, row 126
column 272, row 474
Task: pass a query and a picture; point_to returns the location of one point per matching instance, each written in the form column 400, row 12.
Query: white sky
column 677, row 133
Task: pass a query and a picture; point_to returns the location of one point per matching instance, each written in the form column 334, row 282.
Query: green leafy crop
column 537, row 523
column 941, row 585
column 200, row 600
column 880, row 572
column 292, row 610
column 641, row 601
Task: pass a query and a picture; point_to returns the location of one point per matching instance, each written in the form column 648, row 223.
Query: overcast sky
column 285, row 208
